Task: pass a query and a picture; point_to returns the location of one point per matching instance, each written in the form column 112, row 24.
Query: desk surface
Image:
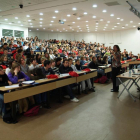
column 126, row 75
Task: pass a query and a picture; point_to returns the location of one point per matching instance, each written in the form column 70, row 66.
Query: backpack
column 32, row 112
column 103, row 79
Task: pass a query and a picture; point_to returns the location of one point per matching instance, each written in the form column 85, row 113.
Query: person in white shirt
column 52, row 57
column 33, row 65
column 25, row 47
column 9, row 68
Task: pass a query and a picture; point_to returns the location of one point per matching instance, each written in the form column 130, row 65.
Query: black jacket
column 79, row 67
column 93, row 65
column 63, row 69
column 48, row 72
column 4, row 80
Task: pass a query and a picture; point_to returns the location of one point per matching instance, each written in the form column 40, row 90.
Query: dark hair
column 10, row 63
column 69, row 59
column 52, row 61
column 19, row 60
column 5, row 44
column 33, row 59
column 47, row 62
column 65, row 60
column 118, row 48
column 20, row 50
column 77, row 60
column 93, row 57
column 58, row 59
column 1, row 67
column 5, row 49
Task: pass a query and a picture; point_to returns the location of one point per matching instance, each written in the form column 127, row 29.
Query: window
column 18, row 33
column 7, row 32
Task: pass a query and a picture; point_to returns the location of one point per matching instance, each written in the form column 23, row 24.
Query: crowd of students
column 19, row 62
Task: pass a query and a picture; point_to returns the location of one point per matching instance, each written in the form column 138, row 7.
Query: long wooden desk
column 134, row 62
column 121, row 79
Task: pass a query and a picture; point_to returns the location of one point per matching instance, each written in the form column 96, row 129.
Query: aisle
column 98, row 116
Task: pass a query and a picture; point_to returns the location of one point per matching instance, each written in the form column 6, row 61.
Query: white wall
column 126, row 39
column 2, row 26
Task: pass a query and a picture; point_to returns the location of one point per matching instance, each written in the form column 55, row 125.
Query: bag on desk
column 73, row 74
column 32, row 112
column 52, row 76
column 87, row 70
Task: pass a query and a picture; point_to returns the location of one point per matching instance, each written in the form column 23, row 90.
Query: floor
column 98, row 116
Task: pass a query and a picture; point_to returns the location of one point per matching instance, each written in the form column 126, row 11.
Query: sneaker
column 75, row 100
column 92, row 89
column 67, row 96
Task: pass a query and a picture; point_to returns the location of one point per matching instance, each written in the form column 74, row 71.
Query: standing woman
column 116, row 66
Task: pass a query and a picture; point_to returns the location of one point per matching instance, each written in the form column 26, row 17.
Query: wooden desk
column 125, row 65
column 134, row 62
column 121, row 79
column 91, row 74
column 106, row 69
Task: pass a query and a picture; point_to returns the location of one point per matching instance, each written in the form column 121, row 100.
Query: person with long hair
column 116, row 66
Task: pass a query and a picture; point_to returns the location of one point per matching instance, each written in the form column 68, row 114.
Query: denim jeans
column 40, row 98
column 2, row 105
column 69, row 91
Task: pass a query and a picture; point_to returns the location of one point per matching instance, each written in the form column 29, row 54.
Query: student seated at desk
column 55, row 69
column 16, row 76
column 65, row 68
column 99, row 61
column 4, row 81
column 94, row 65
column 33, row 65
column 79, row 67
column 10, row 66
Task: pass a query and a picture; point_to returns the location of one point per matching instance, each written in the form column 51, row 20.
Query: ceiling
column 9, row 10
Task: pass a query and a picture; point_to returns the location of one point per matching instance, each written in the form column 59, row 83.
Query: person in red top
column 20, row 51
column 60, row 49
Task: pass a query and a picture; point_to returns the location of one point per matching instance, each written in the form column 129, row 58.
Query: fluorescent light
column 118, row 18
column 104, row 11
column 134, row 26
column 95, row 30
column 27, row 15
column 94, row 16
column 122, row 27
column 72, row 29
column 131, row 21
column 6, row 19
column 21, row 25
column 29, row 30
column 86, row 21
column 41, row 19
column 66, row 30
column 19, row 22
column 37, row 29
column 60, row 31
column 54, row 17
column 30, row 23
column 78, row 18
column 56, row 11
column 68, row 15
column 108, row 21
column 32, row 26
column 16, row 17
column 74, row 9
column 50, row 24
column 52, row 21
column 81, row 30
column 97, row 23
column 106, row 25
column 86, row 25
column 40, row 22
column 64, row 19
column 10, row 23
column 118, row 23
column 73, row 22
column 41, row 14
column 78, row 26
column 101, row 19
column 85, row 13
column 40, row 25
column 112, row 15
column 44, row 28
column 52, row 30
column 115, row 26
column 29, row 20
column 126, row 24
column 103, row 29
column 112, row 28
column 138, row 23
column 96, row 26
column 94, row 6
column 122, row 20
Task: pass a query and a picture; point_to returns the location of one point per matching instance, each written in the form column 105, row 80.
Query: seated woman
column 99, row 61
column 105, row 60
column 4, row 81
column 10, row 66
column 82, row 61
column 23, row 65
column 17, row 76
column 38, row 58
column 4, row 60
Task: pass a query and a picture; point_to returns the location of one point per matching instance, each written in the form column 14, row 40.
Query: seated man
column 33, row 65
column 65, row 68
column 94, row 65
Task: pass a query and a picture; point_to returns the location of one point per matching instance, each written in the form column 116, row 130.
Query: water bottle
column 134, row 66
column 129, row 72
column 127, row 69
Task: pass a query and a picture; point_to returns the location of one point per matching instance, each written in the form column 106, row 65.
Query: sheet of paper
column 12, row 86
column 64, row 75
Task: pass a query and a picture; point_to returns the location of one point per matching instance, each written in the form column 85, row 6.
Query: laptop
column 134, row 72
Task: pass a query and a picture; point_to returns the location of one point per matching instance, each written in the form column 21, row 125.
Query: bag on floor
column 103, row 79
column 32, row 112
